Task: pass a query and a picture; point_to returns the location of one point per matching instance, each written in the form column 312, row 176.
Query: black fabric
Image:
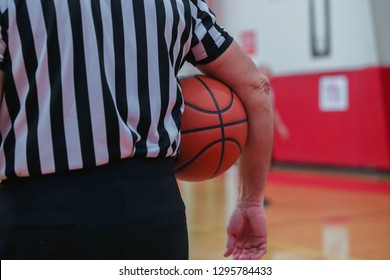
column 131, row 209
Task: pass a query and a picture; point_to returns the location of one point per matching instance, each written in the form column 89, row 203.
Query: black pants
column 131, row 209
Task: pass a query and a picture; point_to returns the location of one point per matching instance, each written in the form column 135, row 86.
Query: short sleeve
column 209, row 40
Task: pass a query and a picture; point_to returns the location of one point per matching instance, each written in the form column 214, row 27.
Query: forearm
column 238, row 71
column 256, row 157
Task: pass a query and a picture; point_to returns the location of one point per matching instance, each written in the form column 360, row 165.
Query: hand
column 247, row 233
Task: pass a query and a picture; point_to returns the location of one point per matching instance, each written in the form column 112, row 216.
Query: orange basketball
column 214, row 129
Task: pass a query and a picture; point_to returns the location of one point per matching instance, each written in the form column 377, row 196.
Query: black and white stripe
column 88, row 82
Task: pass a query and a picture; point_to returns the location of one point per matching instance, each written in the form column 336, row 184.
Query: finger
column 247, row 253
column 252, row 254
column 257, row 254
column 229, row 246
column 237, row 253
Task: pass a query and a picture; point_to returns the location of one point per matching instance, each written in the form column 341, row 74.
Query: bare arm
column 247, row 228
column 237, row 70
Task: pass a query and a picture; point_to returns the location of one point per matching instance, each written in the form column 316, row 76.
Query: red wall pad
column 338, row 118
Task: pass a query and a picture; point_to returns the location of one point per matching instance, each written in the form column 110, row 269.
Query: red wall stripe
column 358, row 137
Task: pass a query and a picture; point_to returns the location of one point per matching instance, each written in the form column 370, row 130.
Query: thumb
column 231, row 240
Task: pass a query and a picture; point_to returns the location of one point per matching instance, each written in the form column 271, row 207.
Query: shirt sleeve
column 209, row 40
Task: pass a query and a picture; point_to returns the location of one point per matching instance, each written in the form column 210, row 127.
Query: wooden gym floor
column 313, row 214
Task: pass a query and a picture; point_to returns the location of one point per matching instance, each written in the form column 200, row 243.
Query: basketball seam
column 209, row 111
column 220, row 121
column 184, row 165
column 213, row 127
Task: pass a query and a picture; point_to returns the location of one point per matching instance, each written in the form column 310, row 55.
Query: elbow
column 257, row 94
column 256, row 89
column 262, row 84
column 259, row 106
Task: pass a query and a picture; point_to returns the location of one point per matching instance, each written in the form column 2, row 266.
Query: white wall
column 381, row 14
column 283, row 33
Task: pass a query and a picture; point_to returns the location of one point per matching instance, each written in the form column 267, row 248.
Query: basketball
column 213, row 129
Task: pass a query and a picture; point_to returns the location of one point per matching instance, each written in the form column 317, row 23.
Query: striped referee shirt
column 88, row 81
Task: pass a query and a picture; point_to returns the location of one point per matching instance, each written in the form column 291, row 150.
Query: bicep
column 235, row 68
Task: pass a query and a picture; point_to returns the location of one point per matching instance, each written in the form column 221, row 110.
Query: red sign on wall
column 248, row 42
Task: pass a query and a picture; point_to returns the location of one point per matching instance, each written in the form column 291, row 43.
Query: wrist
column 251, row 197
column 250, row 203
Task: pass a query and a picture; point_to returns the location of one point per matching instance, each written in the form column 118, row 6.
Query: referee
column 90, row 127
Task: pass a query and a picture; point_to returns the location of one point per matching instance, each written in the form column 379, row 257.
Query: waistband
column 116, row 170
